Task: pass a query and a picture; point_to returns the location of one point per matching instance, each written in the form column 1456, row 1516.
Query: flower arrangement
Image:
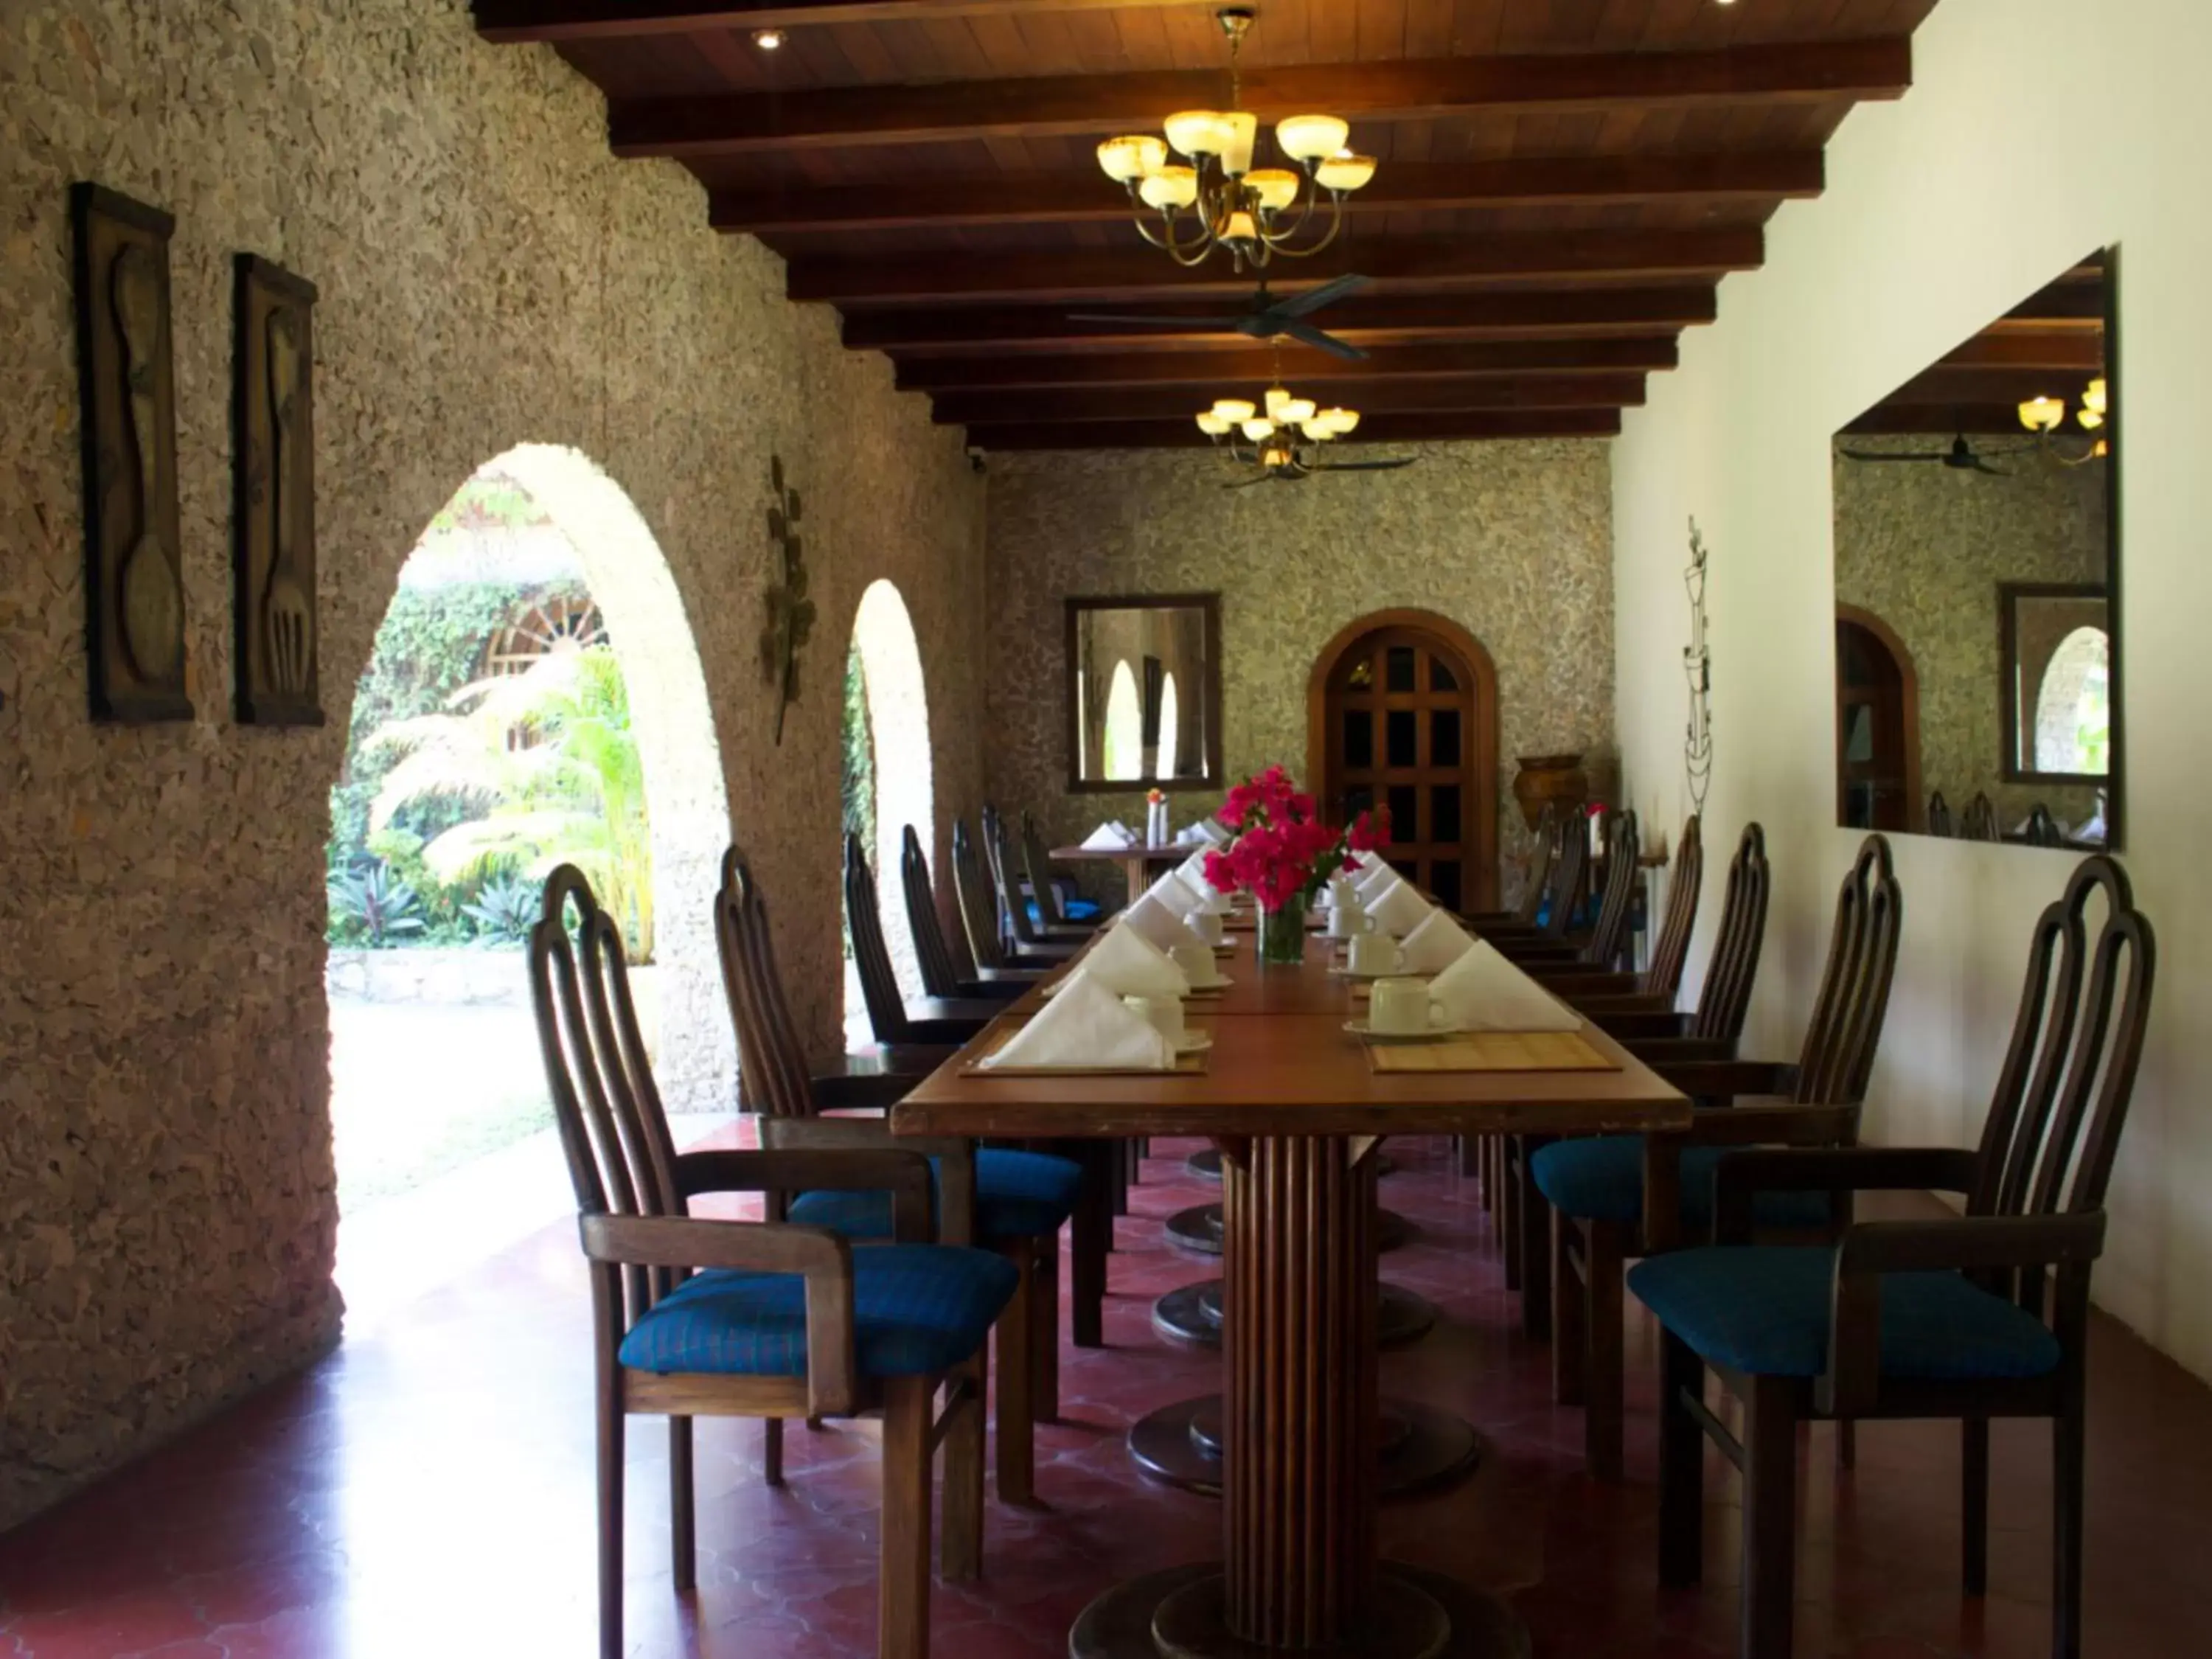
column 1285, row 854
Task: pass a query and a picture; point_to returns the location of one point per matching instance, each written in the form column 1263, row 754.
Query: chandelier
column 2043, row 417
column 1282, row 435
column 1221, row 200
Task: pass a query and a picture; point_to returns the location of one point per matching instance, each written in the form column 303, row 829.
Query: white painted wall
column 2037, row 130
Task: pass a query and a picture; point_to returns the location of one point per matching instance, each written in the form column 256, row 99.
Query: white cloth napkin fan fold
column 1085, row 1025
column 1160, row 924
column 1128, row 965
column 1483, row 992
column 1399, row 909
column 1435, row 945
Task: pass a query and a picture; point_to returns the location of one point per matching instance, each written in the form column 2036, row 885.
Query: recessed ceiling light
column 770, row 39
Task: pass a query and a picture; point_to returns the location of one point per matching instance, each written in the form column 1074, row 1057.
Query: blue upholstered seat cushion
column 917, row 1310
column 1601, row 1178
column 1071, row 909
column 1764, row 1308
column 1017, row 1196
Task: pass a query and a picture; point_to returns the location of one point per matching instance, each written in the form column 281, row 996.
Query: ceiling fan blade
column 1303, row 305
column 1246, row 483
column 1981, row 466
column 1369, row 466
column 1220, row 324
column 1307, row 334
column 1871, row 455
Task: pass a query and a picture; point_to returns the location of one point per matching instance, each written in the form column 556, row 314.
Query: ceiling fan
column 1291, row 468
column 1268, row 319
column 1960, row 457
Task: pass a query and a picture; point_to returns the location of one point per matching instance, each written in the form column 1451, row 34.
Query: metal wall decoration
column 134, row 585
column 1697, row 669
column 790, row 612
column 273, row 496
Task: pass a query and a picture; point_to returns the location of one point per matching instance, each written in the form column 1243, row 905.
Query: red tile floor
column 428, row 1491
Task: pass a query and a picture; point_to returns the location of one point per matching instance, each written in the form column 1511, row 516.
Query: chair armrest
column 877, row 1090
column 1717, row 1079
column 1836, row 1170
column 991, row 990
column 2014, row 1243
column 857, row 1165
column 1639, row 1024
column 1022, row 976
column 1578, row 982
column 1775, row 1123
column 955, row 1156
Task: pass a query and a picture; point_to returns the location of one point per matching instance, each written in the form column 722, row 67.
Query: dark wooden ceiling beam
column 1089, row 197
column 1377, row 429
column 2008, row 385
column 616, row 20
column 1407, row 263
column 2061, row 350
column 1300, row 367
column 1378, row 397
column 1574, row 314
column 1935, row 421
column 1047, row 106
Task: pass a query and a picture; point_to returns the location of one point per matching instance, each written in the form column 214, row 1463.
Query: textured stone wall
column 490, row 276
column 1511, row 540
column 1923, row 547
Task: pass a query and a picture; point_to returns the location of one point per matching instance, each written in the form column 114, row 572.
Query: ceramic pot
column 1556, row 780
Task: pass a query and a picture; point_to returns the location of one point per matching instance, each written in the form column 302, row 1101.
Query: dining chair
column 989, row 945
column 1561, row 904
column 1542, row 854
column 693, row 1317
column 1980, row 822
column 940, row 977
column 893, row 1018
column 1604, row 943
column 1010, row 1202
column 1028, row 937
column 1670, row 952
column 1058, row 905
column 2041, row 828
column 1939, row 814
column 1598, row 1186
column 1975, row 1316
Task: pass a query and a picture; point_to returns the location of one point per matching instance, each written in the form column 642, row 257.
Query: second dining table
column 1298, row 1106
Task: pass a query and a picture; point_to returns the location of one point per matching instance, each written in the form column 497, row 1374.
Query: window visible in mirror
column 2074, row 706
column 1169, row 711
column 1124, row 745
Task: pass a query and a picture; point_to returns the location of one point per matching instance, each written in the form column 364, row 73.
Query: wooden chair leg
column 2067, row 1462
column 1530, row 1210
column 1605, row 1246
column 1509, row 1213
column 1017, row 1410
column 960, row 1551
column 1044, row 1332
column 772, row 1450
column 903, row 1596
column 1681, row 1465
column 1847, row 1445
column 1494, row 1186
column 1974, row 1503
column 682, row 1542
column 611, row 1426
column 1470, row 1155
column 1569, row 1355
column 1770, row 1518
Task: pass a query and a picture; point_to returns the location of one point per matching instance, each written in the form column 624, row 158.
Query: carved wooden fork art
column 288, row 615
column 152, row 602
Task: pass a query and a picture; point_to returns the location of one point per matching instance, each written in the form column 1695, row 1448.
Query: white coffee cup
column 1342, row 894
column 1348, row 920
column 1207, row 924
column 1375, row 954
column 1162, row 1014
column 1402, row 1007
column 1196, row 961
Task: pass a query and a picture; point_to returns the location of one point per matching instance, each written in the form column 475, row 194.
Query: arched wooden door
column 1877, row 727
column 1403, row 712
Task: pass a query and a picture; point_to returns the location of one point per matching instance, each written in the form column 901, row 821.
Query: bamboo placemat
column 1492, row 1051
column 1185, row 1066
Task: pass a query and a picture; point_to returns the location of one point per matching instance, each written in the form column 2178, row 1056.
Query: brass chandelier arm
column 1328, row 237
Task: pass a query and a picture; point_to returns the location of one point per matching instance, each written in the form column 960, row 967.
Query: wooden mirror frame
column 1209, row 683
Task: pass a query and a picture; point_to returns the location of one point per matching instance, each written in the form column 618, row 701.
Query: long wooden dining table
column 1298, row 1108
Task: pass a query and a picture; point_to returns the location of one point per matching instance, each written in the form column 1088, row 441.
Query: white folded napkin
column 1128, row 965
column 1086, row 1024
column 1178, row 895
column 1399, row 909
column 1190, row 835
column 1108, row 838
column 1435, row 945
column 1364, row 862
column 1192, row 874
column 1483, row 992
column 1211, row 830
column 1159, row 924
column 1377, row 881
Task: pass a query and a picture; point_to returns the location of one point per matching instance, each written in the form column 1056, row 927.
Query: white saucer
column 1218, row 982
column 1369, row 979
column 1345, row 938
column 1366, row 1033
column 1194, row 1042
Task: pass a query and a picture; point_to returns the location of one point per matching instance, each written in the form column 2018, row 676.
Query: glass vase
column 1282, row 935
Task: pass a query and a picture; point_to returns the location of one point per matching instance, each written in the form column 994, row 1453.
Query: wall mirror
column 1977, row 641
column 1143, row 689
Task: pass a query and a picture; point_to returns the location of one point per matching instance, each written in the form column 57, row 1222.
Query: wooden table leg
column 1091, row 1235
column 1302, row 1572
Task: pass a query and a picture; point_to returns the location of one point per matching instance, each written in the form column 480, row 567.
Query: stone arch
column 898, row 729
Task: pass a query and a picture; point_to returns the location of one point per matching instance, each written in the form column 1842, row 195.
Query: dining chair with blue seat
column 1013, row 1203
column 991, row 944
column 1597, row 1188
column 895, row 1019
column 941, row 975
column 1976, row 1317
column 1054, row 902
column 695, row 1317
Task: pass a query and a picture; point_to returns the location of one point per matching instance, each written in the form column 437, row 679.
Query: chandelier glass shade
column 1282, row 433
column 2046, row 416
column 1217, row 198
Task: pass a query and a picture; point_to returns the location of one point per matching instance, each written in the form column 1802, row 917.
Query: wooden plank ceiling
column 1562, row 186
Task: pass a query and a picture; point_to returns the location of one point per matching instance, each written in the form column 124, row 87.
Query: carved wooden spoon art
column 288, row 617
column 153, row 607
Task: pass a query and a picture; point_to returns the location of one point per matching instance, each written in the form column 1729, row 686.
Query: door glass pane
column 1443, row 813
column 1444, row 881
column 1358, row 739
column 1360, row 798
column 1444, row 737
column 1405, row 814
column 1403, row 735
column 1398, row 673
column 1441, row 678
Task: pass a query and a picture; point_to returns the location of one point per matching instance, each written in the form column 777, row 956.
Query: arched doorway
column 1877, row 727
column 1402, row 712
column 536, row 669
column 897, row 707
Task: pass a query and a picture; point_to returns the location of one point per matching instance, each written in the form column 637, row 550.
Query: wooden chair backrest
column 879, row 986
column 1838, row 1055
column 1624, row 853
column 1980, row 822
column 1038, row 862
column 2062, row 1099
column 1013, row 905
column 1725, row 1000
column 2042, row 828
column 614, row 1133
column 1540, row 860
column 1672, row 950
column 979, row 910
column 773, row 1075
column 1939, row 814
column 941, row 975
column 1570, row 873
